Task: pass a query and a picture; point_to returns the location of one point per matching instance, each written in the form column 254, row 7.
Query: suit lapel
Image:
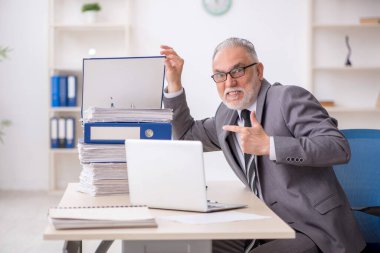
column 265, row 85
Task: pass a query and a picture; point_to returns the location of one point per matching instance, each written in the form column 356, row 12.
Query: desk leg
column 104, row 246
column 72, row 247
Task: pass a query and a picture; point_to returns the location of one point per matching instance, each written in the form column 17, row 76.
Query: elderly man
column 280, row 143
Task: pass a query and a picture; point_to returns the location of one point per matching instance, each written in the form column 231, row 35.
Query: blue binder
column 70, row 133
column 54, row 133
column 55, row 91
column 63, row 91
column 71, row 91
column 61, row 132
column 118, row 132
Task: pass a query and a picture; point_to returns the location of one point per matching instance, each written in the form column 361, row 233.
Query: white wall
column 24, row 95
column 277, row 28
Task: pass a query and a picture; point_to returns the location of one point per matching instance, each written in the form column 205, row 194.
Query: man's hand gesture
column 253, row 140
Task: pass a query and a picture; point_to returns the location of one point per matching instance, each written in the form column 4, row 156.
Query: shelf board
column 360, row 68
column 346, row 109
column 73, row 151
column 65, row 69
column 90, row 27
column 345, row 26
column 65, row 109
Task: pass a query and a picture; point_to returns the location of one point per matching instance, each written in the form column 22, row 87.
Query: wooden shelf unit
column 70, row 40
column 354, row 89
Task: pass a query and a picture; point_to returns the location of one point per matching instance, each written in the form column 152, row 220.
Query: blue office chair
column 360, row 179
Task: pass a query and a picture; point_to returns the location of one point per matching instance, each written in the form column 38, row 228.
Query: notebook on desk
column 169, row 175
column 101, row 217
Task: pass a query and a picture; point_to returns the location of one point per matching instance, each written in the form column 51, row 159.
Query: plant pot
column 90, row 17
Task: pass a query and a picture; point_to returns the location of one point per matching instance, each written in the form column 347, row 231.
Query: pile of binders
column 110, row 116
column 102, row 152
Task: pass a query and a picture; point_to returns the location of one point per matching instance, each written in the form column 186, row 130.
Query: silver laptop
column 169, row 174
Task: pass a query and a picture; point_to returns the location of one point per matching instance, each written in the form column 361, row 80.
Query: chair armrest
column 373, row 210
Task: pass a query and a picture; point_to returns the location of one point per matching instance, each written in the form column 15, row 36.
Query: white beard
column 244, row 103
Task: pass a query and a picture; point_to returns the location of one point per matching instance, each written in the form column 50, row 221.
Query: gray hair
column 237, row 42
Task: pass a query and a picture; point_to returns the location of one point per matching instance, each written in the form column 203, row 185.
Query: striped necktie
column 250, row 174
column 250, row 169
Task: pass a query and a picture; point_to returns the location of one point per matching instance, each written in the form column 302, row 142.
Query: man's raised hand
column 174, row 64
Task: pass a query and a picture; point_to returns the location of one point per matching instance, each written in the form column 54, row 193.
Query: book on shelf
column 369, row 20
column 129, row 216
column 327, row 103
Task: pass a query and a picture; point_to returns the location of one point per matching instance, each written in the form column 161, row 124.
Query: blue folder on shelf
column 72, row 90
column 63, row 91
column 54, row 143
column 70, row 133
column 61, row 132
column 55, row 90
column 118, row 132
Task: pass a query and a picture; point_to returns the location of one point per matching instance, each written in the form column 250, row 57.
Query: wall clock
column 217, row 7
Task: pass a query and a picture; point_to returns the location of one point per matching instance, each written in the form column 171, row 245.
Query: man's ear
column 260, row 71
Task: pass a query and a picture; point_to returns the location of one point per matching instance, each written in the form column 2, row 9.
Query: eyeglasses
column 234, row 73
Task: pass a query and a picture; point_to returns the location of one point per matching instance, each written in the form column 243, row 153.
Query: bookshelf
column 71, row 39
column 353, row 89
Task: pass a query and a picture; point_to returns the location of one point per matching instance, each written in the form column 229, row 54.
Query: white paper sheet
column 217, row 217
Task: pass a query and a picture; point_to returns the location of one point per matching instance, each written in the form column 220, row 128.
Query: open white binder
column 123, row 82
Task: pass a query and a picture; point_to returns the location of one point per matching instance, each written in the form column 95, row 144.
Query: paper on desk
column 217, row 217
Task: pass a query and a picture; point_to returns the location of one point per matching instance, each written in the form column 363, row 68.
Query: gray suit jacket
column 300, row 186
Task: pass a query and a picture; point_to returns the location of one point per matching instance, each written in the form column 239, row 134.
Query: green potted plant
column 90, row 12
column 4, row 123
column 4, row 52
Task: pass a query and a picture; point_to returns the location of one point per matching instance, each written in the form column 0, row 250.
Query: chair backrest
column 360, row 178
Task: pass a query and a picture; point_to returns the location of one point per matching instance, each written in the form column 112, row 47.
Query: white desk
column 228, row 191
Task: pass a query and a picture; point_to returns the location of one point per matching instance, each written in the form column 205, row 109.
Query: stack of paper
column 113, row 114
column 101, row 153
column 101, row 217
column 104, row 179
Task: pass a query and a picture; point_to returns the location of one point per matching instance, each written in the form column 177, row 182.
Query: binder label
column 115, row 133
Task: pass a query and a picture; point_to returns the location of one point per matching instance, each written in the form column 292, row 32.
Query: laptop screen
column 166, row 174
